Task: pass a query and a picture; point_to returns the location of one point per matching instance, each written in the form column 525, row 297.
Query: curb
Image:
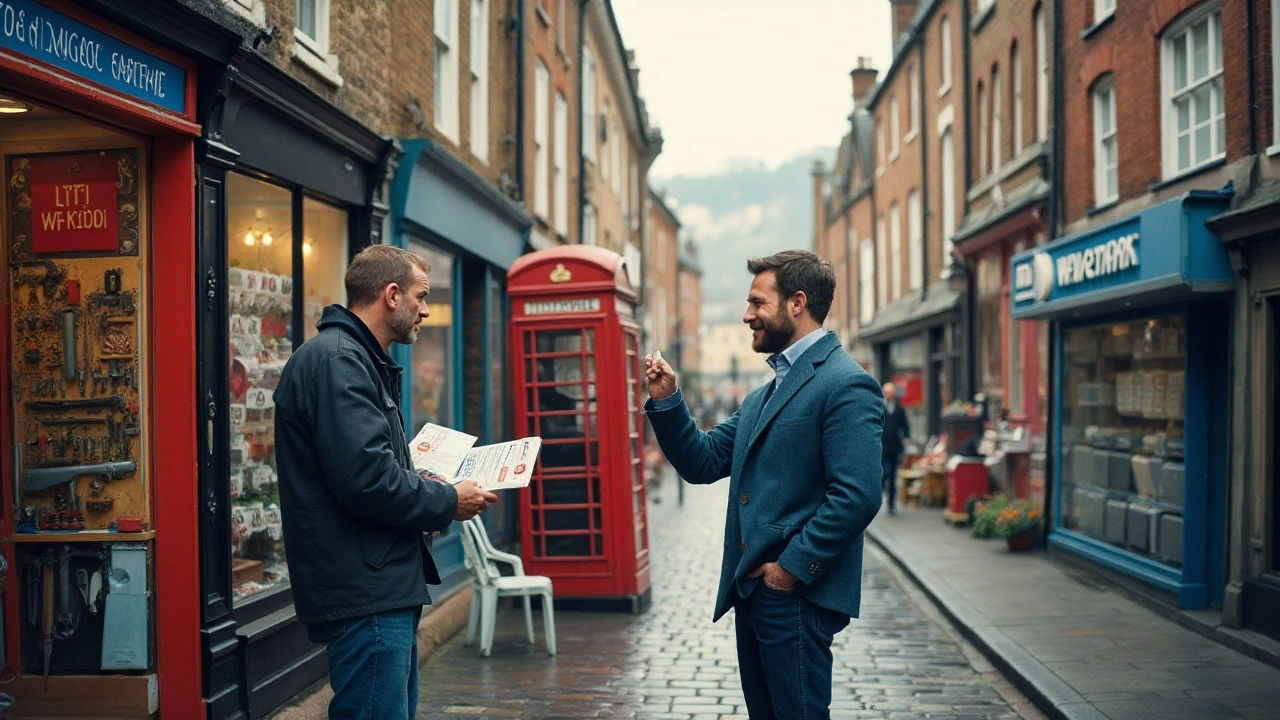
column 1047, row 691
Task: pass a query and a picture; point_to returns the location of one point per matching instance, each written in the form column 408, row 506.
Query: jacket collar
column 799, row 374
column 336, row 316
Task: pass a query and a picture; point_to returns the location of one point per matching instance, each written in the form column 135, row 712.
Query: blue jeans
column 373, row 665
column 784, row 654
column 889, row 477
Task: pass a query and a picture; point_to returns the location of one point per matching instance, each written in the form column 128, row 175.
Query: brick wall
column 900, row 175
column 690, row 308
column 661, row 265
column 942, row 112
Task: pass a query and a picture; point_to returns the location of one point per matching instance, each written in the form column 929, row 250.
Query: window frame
column 1015, row 72
column 949, row 196
column 895, row 249
column 590, row 118
column 944, row 43
column 984, row 134
column 446, row 76
column 915, row 240
column 1042, row 73
column 882, row 262
column 541, row 139
column 1104, row 87
column 560, row 165
column 1103, row 9
column 997, row 119
column 1215, row 81
column 913, row 103
column 895, row 128
column 866, row 281
column 480, row 79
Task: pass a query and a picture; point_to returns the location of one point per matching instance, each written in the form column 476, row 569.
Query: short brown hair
column 376, row 267
column 797, row 271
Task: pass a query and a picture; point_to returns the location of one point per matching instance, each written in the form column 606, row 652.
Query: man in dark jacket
column 896, row 433
column 355, row 513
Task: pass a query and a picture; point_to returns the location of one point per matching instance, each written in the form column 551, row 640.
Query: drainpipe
column 1253, row 87
column 520, row 87
column 968, row 113
column 924, row 170
column 584, row 127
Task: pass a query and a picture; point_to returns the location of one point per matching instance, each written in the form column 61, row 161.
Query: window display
column 432, row 366
column 260, row 307
column 1122, row 434
column 989, row 344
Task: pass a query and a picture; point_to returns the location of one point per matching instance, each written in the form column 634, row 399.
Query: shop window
column 907, row 360
column 1122, row 434
column 989, row 348
column 260, row 318
column 480, row 79
column 262, row 248
column 432, row 370
column 1194, row 128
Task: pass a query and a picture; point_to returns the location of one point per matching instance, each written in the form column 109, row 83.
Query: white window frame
column 606, row 151
column 1042, row 75
column 915, row 240
column 1181, row 32
column 984, row 4
column 880, row 148
column 948, row 166
column 984, row 131
column 480, row 79
column 944, row 30
column 1015, row 70
column 1103, row 9
column 560, row 152
column 589, row 225
column 1102, row 170
column 882, row 262
column 445, row 48
column 541, row 139
column 590, row 118
column 997, row 119
column 913, row 103
column 894, row 128
column 895, row 249
column 867, row 282
column 562, row 23
column 254, row 10
column 313, row 52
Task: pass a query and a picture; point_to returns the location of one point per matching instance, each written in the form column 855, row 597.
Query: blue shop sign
column 40, row 33
column 1162, row 254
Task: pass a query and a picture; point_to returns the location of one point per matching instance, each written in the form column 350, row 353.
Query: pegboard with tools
column 76, row 328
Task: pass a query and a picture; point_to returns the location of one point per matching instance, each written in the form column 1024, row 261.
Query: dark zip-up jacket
column 353, row 509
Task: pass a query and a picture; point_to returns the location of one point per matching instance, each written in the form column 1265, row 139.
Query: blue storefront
column 1139, row 313
column 456, row 372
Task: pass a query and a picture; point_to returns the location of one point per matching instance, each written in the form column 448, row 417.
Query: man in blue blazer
column 803, row 457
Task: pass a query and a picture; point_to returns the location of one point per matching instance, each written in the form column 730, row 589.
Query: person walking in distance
column 802, row 454
column 896, row 433
column 356, row 515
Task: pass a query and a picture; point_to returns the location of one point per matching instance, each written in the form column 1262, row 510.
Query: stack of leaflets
column 448, row 456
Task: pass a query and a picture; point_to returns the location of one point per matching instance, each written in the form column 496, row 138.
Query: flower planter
column 1024, row 540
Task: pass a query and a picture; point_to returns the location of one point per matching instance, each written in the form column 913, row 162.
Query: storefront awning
column 910, row 314
column 1160, row 255
column 436, row 196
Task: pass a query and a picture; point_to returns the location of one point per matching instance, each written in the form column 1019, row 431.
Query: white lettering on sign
column 555, row 307
column 1033, row 280
column 1110, row 257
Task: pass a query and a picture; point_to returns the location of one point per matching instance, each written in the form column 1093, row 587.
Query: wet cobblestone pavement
column 900, row 660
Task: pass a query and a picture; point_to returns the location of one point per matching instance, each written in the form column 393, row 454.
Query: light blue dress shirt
column 780, row 362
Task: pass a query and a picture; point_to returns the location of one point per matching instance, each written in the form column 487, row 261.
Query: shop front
column 1139, row 312
column 289, row 188
column 470, row 234
column 101, row 523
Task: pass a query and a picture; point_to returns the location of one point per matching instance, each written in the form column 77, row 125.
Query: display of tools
column 68, row 323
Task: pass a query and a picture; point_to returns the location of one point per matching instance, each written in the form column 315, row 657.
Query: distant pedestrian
column 356, row 515
column 802, row 456
column 897, row 431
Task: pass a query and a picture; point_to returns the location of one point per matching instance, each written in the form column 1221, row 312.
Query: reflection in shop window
column 324, row 260
column 260, row 307
column 431, row 368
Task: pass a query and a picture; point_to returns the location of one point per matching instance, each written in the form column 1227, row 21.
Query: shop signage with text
column 555, row 307
column 73, row 203
column 1036, row 277
column 40, row 33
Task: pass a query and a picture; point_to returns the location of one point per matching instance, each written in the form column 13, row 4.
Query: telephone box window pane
column 564, row 492
column 599, row 544
column 563, row 455
column 568, row 546
column 595, row 490
column 595, row 454
column 558, row 341
column 260, row 310
column 560, row 369
column 432, row 370
column 566, row 519
column 324, row 260
column 535, row 519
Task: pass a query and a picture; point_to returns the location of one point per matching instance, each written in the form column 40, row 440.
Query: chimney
column 903, row 11
column 819, row 204
column 864, row 79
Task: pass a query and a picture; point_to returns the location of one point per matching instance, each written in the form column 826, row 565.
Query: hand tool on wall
column 67, row 320
column 46, row 618
column 45, row 478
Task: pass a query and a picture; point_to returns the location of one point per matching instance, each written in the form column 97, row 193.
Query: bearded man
column 357, row 517
column 803, row 457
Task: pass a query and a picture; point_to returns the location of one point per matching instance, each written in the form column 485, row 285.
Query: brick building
column 662, row 271
column 689, row 310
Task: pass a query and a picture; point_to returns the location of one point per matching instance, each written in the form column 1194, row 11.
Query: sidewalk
column 1074, row 643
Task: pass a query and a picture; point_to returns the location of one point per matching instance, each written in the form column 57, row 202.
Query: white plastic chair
column 488, row 584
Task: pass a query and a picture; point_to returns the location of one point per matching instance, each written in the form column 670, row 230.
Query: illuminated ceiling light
column 249, row 239
column 266, row 239
column 306, row 248
column 9, row 106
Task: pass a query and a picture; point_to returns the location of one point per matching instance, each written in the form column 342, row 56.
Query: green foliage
column 984, row 514
column 1015, row 519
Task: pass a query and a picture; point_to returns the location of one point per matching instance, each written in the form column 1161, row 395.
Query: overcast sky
column 730, row 81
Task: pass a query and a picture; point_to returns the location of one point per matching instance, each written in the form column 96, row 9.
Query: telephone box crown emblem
column 560, row 274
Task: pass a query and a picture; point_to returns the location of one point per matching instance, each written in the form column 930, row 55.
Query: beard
column 775, row 335
column 405, row 326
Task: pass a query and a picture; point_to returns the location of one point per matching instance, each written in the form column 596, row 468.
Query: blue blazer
column 804, row 476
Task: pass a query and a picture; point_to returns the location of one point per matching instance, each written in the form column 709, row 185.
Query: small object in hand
column 657, row 356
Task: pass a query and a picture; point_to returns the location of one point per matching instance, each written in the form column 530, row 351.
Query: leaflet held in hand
column 440, row 453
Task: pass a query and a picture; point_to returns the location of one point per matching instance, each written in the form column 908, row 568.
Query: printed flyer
column 440, row 453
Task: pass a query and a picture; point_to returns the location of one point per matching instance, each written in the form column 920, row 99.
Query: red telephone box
column 575, row 351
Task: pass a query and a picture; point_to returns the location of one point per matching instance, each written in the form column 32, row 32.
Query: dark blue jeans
column 784, row 654
column 373, row 665
column 889, row 477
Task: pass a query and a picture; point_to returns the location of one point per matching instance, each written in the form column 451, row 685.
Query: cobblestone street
column 901, row 660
